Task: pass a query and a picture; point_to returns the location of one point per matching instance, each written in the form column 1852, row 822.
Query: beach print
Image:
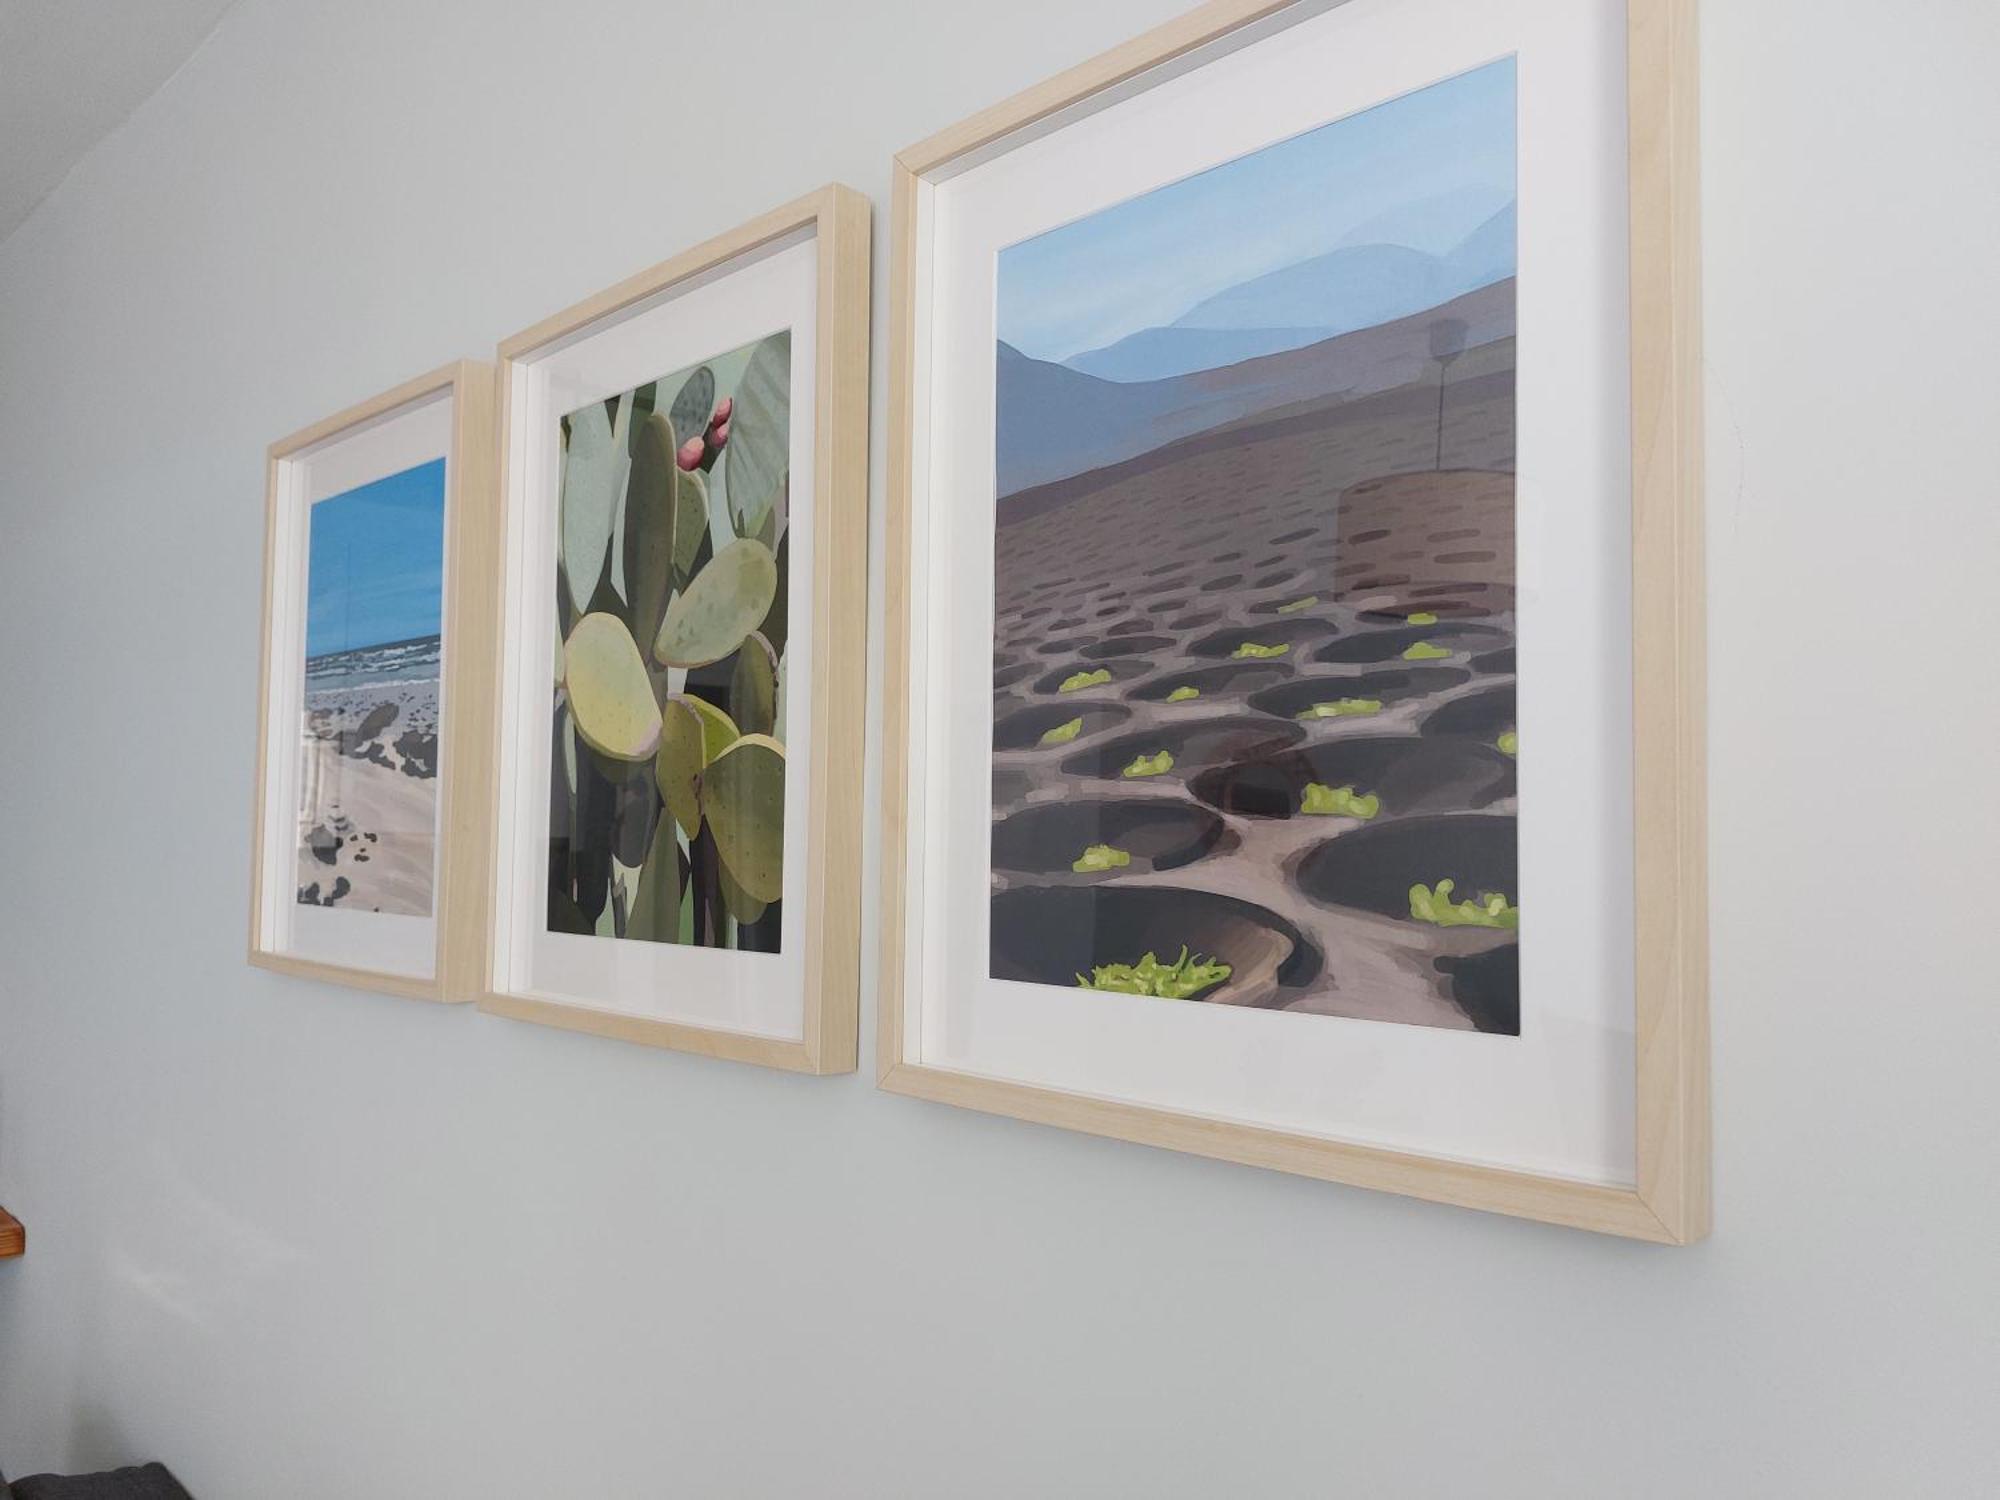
column 369, row 741
column 1254, row 737
column 667, row 796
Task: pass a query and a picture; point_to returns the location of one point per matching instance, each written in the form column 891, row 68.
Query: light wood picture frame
column 446, row 414
column 820, row 242
column 1662, row 1191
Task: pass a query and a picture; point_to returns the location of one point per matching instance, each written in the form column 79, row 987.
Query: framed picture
column 1296, row 425
column 681, row 627
column 372, row 714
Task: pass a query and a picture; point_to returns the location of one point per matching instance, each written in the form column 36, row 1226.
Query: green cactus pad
column 776, row 625
column 718, row 730
column 693, row 732
column 753, row 686
column 592, row 485
column 760, row 435
column 610, row 695
column 723, row 604
column 743, row 800
column 767, row 529
column 695, row 403
column 650, row 516
column 607, row 600
column 635, row 810
column 655, row 916
column 566, row 739
column 738, row 902
column 677, row 767
column 690, row 526
column 1062, row 734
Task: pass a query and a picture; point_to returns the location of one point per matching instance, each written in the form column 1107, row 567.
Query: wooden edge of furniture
column 468, row 510
column 13, row 1237
column 1579, row 1205
column 1670, row 1202
column 1166, row 43
column 472, row 562
column 839, row 218
column 649, row 1031
column 1669, row 618
column 840, row 633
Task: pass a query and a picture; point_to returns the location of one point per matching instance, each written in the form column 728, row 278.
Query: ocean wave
column 342, row 686
column 396, row 663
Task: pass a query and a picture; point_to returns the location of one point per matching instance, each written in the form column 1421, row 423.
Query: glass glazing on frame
column 368, row 744
column 1254, row 735
column 667, row 796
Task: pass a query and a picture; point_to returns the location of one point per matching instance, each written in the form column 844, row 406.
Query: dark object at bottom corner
column 147, row 1482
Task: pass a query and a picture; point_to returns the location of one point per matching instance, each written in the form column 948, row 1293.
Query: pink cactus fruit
column 717, row 435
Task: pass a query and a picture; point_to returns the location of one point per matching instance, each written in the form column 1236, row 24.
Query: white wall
column 307, row 1243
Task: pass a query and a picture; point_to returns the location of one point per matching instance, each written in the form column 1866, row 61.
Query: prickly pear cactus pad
column 1254, row 733
column 667, row 811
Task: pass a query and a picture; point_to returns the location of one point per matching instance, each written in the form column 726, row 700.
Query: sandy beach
column 368, row 798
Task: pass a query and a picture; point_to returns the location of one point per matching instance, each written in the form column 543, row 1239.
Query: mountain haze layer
column 1057, row 421
column 1344, row 290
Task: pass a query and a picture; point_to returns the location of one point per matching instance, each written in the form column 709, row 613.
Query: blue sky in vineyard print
column 375, row 570
column 1370, row 218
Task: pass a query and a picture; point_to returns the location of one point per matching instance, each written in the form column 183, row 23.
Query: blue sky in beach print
column 375, row 568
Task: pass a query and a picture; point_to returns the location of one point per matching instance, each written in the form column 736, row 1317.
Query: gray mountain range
column 1344, row 290
column 1057, row 421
